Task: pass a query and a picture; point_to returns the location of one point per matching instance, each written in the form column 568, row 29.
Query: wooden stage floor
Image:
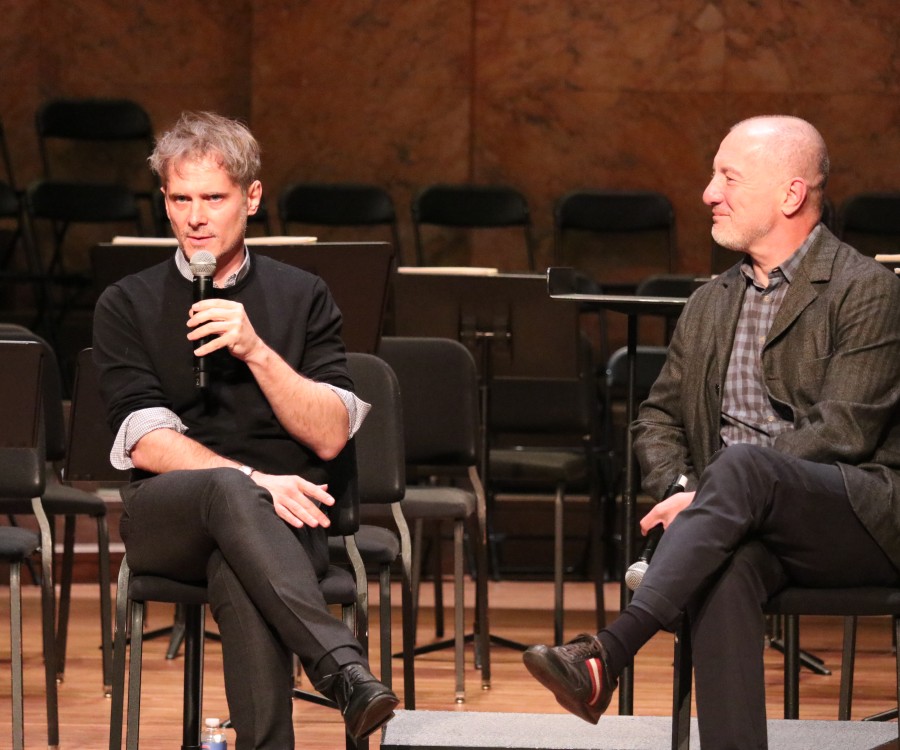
column 521, row 611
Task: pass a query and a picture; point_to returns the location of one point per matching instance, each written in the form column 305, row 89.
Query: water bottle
column 213, row 736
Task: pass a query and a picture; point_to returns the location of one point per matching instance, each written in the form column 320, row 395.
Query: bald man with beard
column 779, row 402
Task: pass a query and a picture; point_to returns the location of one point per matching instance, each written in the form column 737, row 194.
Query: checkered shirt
column 747, row 413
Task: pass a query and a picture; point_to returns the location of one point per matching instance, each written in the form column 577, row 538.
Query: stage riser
column 470, row 730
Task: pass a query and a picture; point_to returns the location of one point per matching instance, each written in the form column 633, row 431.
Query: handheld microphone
column 635, row 573
column 203, row 266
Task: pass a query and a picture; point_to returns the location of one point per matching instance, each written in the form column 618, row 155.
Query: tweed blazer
column 831, row 365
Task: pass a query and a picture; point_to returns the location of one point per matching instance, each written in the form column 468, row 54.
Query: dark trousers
column 262, row 576
column 760, row 520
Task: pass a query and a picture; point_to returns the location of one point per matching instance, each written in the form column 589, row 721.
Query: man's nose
column 712, row 194
column 197, row 215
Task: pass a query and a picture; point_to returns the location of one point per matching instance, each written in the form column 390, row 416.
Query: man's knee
column 742, row 469
column 232, row 491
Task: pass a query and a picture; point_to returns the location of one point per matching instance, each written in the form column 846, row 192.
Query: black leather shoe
column 576, row 674
column 365, row 703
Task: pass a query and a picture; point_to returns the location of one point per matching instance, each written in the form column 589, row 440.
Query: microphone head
column 203, row 263
column 635, row 574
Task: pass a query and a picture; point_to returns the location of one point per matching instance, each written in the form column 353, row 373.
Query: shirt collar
column 789, row 267
column 184, row 267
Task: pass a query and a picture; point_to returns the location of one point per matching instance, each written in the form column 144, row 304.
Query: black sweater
column 145, row 359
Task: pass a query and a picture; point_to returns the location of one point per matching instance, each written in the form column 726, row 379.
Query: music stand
column 891, row 261
column 357, row 274
column 566, row 284
column 513, row 330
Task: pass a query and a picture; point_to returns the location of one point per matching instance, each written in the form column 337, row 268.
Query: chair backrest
column 51, row 391
column 649, row 360
column 335, row 204
column 22, row 472
column 90, row 437
column 547, row 406
column 93, row 153
column 871, row 222
column 439, row 385
column 91, row 120
column 615, row 235
column 380, row 453
column 89, row 203
column 349, row 206
column 669, row 285
column 472, row 207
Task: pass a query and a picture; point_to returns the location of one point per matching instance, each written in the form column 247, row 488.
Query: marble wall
column 545, row 96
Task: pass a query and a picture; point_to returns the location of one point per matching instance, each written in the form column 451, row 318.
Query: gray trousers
column 760, row 520
column 262, row 576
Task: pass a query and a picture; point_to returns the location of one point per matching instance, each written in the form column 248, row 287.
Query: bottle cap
column 211, row 722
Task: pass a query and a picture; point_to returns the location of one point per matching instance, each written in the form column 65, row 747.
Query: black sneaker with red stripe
column 576, row 673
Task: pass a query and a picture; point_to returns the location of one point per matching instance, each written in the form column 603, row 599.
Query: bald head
column 790, row 147
column 767, row 187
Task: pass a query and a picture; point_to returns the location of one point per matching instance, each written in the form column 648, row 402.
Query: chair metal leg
column 118, row 666
column 194, row 619
column 681, row 689
column 482, row 636
column 384, row 623
column 416, row 569
column 558, row 570
column 65, row 595
column 848, row 664
column 459, row 610
column 437, row 555
column 15, row 650
column 408, row 609
column 132, row 728
column 48, row 619
column 105, row 602
column 792, row 667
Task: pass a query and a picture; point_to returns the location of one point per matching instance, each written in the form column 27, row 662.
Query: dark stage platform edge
column 472, row 730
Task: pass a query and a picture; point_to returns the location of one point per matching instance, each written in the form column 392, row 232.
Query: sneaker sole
column 378, row 713
column 544, row 672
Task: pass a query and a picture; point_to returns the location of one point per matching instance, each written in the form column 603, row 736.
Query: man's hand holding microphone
column 635, row 573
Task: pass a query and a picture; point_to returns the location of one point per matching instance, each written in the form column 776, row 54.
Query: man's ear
column 795, row 196
column 254, row 196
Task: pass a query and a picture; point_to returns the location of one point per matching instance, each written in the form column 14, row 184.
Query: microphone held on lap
column 203, row 266
column 635, row 573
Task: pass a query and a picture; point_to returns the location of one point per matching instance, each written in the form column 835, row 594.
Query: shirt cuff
column 136, row 425
column 357, row 409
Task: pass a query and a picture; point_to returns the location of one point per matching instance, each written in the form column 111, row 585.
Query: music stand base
column 812, row 662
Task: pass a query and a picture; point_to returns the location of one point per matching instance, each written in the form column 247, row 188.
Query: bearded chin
column 727, row 239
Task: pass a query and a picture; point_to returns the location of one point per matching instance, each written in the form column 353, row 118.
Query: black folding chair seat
column 377, row 545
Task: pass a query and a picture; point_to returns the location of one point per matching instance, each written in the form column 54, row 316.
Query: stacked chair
column 59, row 498
column 22, row 476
